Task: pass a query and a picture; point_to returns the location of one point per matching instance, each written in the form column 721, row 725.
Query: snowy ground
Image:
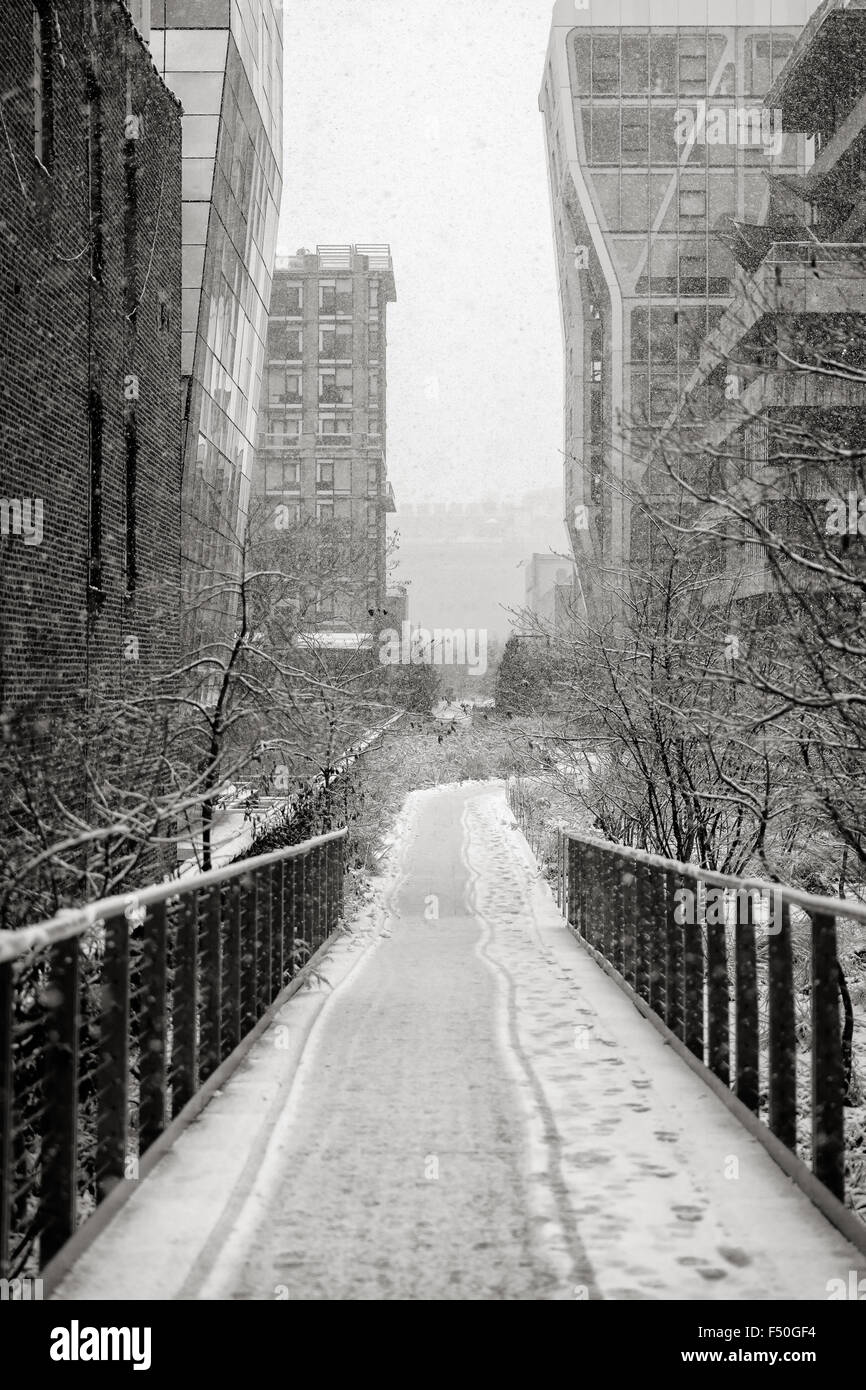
column 466, row 1108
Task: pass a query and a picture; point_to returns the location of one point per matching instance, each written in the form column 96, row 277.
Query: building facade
column 549, row 590
column 224, row 61
column 786, row 364
column 321, row 461
column 656, row 136
column 90, row 403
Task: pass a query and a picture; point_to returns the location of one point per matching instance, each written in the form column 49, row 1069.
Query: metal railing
column 113, row 1017
column 712, row 957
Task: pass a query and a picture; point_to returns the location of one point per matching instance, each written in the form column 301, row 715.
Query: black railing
column 712, row 957
column 113, row 1017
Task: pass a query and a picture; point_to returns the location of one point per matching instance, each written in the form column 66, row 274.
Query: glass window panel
column 199, row 93
column 196, row 50
column 582, row 46
column 634, row 202
column 693, row 203
column 663, row 148
column 639, row 335
column 662, row 64
column 635, row 135
column 759, row 65
column 605, row 64
column 605, row 137
column 607, row 190
column 200, row 136
column 635, row 64
column 692, row 326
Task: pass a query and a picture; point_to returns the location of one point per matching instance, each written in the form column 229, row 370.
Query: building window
column 335, row 388
column 285, row 344
column 292, row 299
column 759, row 65
column 605, row 64
column 335, row 425
column 663, row 64
column 324, row 511
column 374, row 385
column 284, row 426
column 283, row 475
column 693, row 65
column 693, row 273
column 693, row 205
column 635, row 135
column 373, row 295
column 335, row 342
column 335, row 296
column 284, row 388
column 639, row 329
column 325, row 475
column 605, row 136
column 372, row 477
column 43, row 96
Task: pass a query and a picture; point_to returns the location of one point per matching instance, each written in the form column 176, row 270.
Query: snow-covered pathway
column 467, row 1109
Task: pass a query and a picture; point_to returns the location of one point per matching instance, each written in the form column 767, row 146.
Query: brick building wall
column 90, row 331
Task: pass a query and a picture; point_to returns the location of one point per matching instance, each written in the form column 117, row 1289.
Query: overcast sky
column 418, row 125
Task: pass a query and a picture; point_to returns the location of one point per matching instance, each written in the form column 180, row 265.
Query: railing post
column 658, row 961
column 341, row 877
column 296, row 889
column 279, row 894
column 112, row 1072
column 828, row 1148
column 673, row 958
column 718, row 999
column 643, row 956
column 233, row 969
column 249, row 952
column 782, row 1025
column 153, row 1031
column 59, row 1189
column 693, row 982
column 264, row 936
column 574, row 890
column 746, row 1005
column 185, row 1004
column 7, row 1113
column 629, row 920
column 211, row 985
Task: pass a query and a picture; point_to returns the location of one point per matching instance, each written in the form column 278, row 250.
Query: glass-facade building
column 658, row 147
column 224, row 61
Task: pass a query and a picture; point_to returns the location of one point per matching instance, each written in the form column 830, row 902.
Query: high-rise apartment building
column 784, row 367
column 322, row 442
column 224, row 61
column 656, row 138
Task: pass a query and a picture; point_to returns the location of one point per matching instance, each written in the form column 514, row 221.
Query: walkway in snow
column 466, row 1107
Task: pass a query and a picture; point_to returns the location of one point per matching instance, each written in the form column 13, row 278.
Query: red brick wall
column 63, row 335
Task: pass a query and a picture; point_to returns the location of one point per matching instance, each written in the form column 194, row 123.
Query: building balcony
column 795, row 278
column 784, row 390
